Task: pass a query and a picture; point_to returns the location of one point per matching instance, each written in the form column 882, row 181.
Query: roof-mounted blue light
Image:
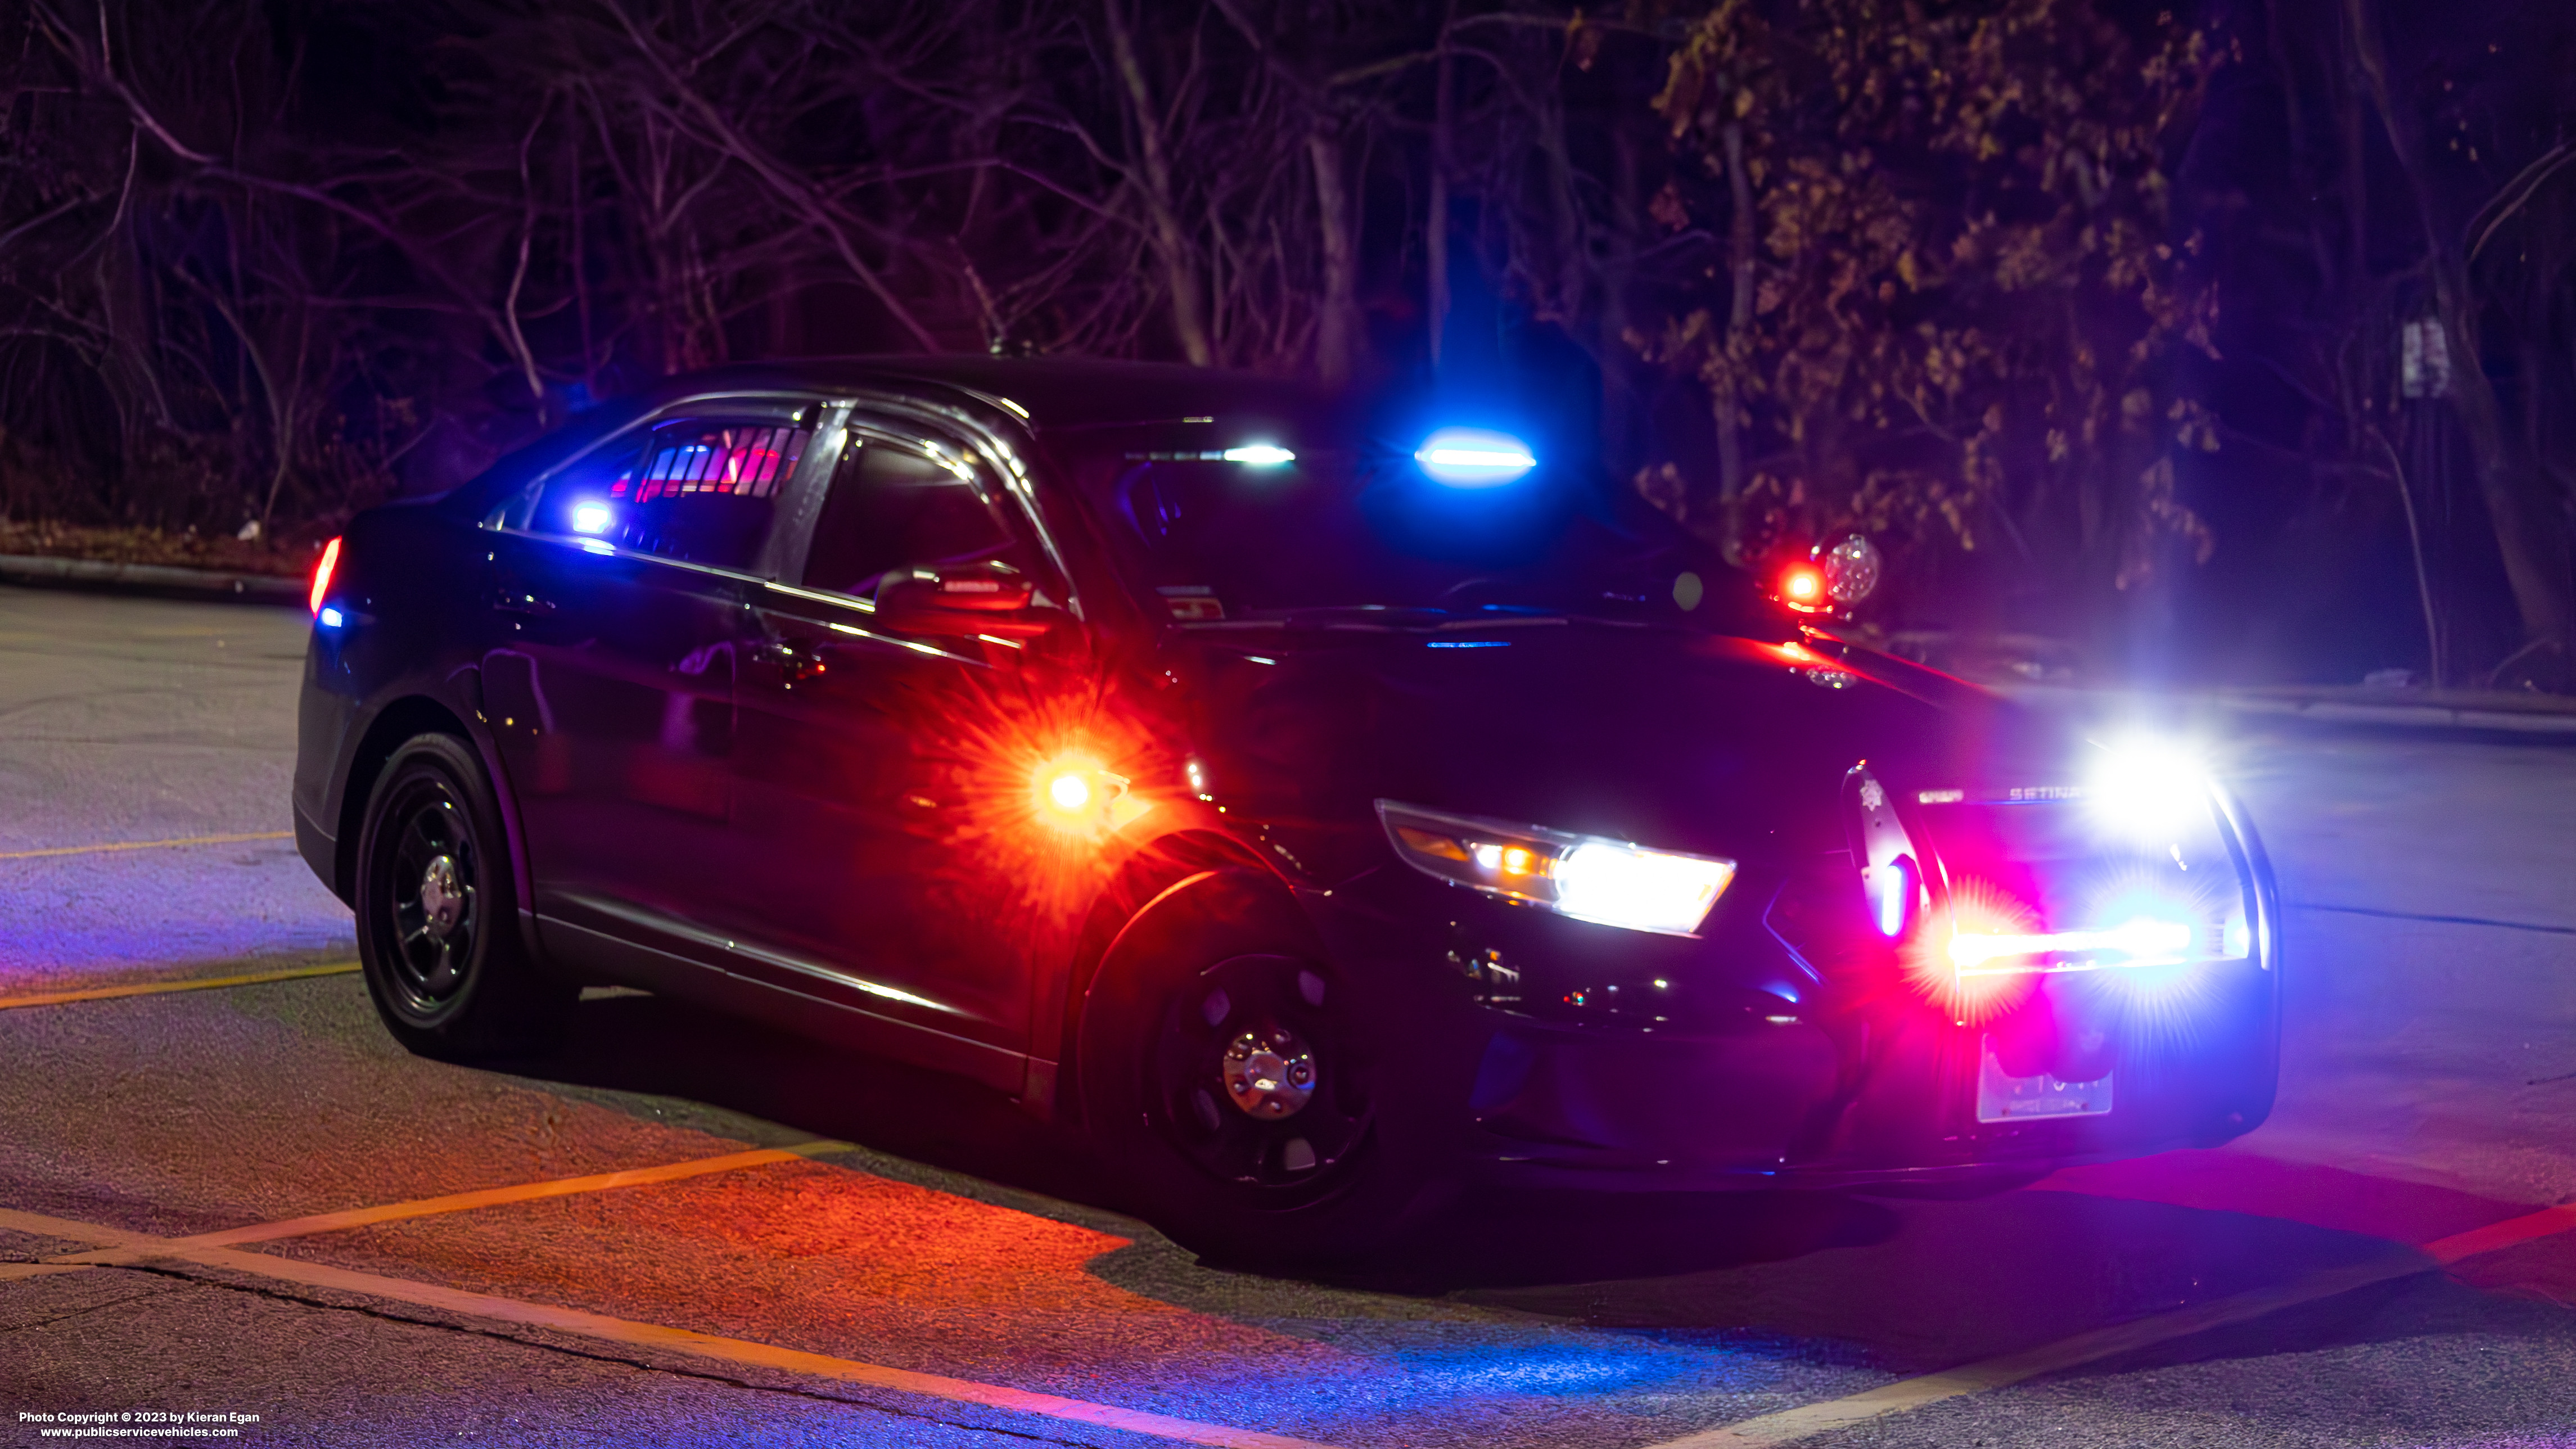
column 591, row 517
column 1473, row 457
column 1260, row 455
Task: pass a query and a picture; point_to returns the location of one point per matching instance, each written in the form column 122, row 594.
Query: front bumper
column 1609, row 1059
column 1800, row 1102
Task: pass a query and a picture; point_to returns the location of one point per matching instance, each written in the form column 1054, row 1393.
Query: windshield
column 1344, row 524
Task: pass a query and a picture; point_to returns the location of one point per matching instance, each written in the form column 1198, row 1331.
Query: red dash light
column 1802, row 586
column 322, row 573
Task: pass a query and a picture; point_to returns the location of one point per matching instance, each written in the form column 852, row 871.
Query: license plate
column 2005, row 1098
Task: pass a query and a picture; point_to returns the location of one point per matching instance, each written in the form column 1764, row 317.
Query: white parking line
column 1807, row 1420
column 574, row 1321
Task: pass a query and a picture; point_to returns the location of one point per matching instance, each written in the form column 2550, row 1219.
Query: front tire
column 1244, row 1090
column 438, row 930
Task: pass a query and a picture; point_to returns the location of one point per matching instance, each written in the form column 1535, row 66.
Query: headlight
column 2147, row 791
column 1584, row 876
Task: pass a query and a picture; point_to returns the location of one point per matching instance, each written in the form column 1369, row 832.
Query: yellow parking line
column 192, row 983
column 146, row 844
column 50, row 1227
column 1790, row 1425
column 12, row 1272
column 458, row 1202
column 2495, row 1237
column 734, row 1351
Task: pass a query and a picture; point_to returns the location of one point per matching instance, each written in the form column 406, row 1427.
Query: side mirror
column 977, row 592
column 970, row 601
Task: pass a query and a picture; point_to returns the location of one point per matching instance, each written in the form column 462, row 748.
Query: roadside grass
column 288, row 556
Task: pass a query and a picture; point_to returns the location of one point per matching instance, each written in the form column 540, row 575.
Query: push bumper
column 1730, row 1062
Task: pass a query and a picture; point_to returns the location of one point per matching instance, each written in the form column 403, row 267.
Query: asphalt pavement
column 125, row 721
column 244, row 1200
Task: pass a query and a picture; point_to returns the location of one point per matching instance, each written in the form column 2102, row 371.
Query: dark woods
column 2106, row 322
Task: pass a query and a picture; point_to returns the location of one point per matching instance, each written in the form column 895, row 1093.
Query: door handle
column 795, row 662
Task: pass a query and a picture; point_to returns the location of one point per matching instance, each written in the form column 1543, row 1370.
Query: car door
column 618, row 610
column 878, row 733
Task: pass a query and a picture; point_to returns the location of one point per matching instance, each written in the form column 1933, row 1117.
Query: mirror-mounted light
column 976, row 591
column 993, row 603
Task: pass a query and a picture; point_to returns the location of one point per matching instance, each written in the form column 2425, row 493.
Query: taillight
column 322, row 574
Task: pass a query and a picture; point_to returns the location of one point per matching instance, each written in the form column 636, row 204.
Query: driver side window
column 894, row 508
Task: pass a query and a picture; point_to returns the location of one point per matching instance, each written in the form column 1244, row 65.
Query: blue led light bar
column 1473, row 457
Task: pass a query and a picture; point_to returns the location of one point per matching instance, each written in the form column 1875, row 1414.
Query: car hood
column 1673, row 739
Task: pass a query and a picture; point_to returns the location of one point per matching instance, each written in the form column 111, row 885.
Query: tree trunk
column 1565, row 210
column 1171, row 243
column 1435, row 221
column 1739, row 317
column 1618, row 265
column 2355, row 291
column 1337, row 324
column 2529, row 532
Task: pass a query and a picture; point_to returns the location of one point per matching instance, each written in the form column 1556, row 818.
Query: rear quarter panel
column 410, row 581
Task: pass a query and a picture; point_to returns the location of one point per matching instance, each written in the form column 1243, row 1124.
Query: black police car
column 1323, row 808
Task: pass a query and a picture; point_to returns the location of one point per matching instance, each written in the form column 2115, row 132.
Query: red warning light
column 1802, row 587
column 1074, row 795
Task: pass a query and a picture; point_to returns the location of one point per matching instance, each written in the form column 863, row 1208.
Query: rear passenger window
column 893, row 509
column 701, row 490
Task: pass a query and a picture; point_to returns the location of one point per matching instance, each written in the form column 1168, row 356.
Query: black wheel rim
column 430, row 897
column 1287, row 1008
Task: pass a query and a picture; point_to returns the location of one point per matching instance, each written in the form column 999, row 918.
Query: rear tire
column 438, row 918
column 1245, row 1091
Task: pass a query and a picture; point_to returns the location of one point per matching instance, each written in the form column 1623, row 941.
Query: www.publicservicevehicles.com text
column 139, row 1424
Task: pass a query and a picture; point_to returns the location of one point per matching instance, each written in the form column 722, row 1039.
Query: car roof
column 1054, row 392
